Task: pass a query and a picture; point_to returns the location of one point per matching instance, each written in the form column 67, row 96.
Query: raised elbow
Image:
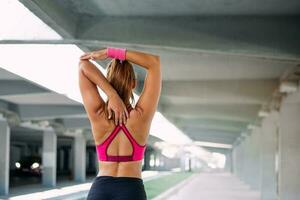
column 82, row 64
column 153, row 62
column 157, row 60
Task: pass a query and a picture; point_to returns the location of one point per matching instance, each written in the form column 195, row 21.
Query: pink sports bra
column 137, row 149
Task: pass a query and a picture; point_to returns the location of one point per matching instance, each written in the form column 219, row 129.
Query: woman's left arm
column 89, row 77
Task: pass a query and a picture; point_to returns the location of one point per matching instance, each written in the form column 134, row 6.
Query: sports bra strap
column 137, row 151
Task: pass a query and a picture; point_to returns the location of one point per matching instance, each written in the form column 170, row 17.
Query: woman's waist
column 128, row 169
column 120, row 177
column 123, row 181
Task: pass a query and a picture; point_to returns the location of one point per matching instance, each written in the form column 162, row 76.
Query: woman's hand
column 116, row 105
column 95, row 55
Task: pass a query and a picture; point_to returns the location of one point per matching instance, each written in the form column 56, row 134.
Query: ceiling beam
column 219, row 91
column 223, row 140
column 239, row 113
column 19, row 87
column 225, row 125
column 214, row 136
column 43, row 112
column 212, row 133
column 76, row 123
column 218, row 150
column 55, row 16
column 212, row 34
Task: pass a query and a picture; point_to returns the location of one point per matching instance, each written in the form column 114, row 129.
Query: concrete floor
column 215, row 186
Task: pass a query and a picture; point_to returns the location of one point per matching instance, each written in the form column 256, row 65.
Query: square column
column 238, row 159
column 235, row 159
column 246, row 176
column 49, row 158
column 4, row 155
column 79, row 158
column 268, row 159
column 228, row 162
column 243, row 160
column 96, row 163
column 289, row 150
column 254, row 175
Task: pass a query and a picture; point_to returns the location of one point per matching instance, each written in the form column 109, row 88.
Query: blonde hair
column 120, row 74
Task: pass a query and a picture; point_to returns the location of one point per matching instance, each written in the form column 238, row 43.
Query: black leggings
column 117, row 188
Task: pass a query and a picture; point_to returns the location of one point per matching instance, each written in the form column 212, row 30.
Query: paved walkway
column 215, row 186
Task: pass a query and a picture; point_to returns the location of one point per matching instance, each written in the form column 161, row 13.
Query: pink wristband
column 118, row 53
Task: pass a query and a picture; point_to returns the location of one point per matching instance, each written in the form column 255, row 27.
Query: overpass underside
column 231, row 75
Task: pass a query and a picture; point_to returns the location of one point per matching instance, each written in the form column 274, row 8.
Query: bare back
column 138, row 127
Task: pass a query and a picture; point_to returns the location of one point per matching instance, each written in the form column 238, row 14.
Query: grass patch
column 157, row 186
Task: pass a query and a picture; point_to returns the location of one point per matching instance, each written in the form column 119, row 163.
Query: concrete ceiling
column 177, row 7
column 221, row 61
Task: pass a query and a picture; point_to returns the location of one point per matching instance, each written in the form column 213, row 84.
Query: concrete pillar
column 246, row 175
column 96, row 163
column 238, row 159
column 182, row 159
column 190, row 163
column 235, row 155
column 243, row 160
column 269, row 149
column 254, row 172
column 4, row 155
column 234, row 159
column 49, row 158
column 147, row 158
column 228, row 162
column 79, row 158
column 289, row 150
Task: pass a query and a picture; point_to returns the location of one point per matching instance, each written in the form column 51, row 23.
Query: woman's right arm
column 149, row 97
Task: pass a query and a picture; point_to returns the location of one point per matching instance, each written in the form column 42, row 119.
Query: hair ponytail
column 120, row 75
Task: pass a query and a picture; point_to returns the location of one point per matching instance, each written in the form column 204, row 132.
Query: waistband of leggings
column 103, row 177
